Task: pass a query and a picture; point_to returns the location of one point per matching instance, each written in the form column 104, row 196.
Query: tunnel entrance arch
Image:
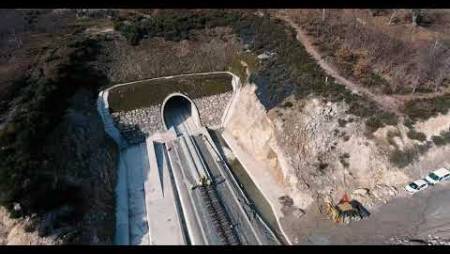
column 178, row 102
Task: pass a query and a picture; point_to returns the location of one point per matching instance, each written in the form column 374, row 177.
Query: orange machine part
column 345, row 198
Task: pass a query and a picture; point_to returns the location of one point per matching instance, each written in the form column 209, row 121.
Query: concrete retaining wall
column 136, row 125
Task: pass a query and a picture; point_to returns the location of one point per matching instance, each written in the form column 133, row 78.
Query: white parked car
column 438, row 176
column 416, row 186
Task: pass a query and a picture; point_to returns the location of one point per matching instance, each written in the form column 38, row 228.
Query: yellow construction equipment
column 346, row 210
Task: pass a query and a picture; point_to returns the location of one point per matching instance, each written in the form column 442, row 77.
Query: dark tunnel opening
column 179, row 112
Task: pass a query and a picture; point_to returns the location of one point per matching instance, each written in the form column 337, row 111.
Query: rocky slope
column 319, row 152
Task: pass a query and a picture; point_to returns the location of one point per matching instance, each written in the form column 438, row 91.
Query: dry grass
column 388, row 58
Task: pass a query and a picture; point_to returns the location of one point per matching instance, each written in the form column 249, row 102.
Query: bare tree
column 392, row 17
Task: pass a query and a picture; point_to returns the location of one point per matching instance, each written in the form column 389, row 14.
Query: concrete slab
column 122, row 236
column 162, row 214
column 135, row 158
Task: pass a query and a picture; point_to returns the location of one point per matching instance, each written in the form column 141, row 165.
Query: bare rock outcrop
column 315, row 149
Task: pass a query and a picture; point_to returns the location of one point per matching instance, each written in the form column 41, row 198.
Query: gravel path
column 420, row 218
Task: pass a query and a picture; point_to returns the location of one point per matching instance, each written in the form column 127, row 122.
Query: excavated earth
column 318, row 159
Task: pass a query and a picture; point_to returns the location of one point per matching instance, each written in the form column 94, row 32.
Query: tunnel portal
column 179, row 111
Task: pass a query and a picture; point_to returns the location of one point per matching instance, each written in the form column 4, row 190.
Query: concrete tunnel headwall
column 141, row 105
column 178, row 101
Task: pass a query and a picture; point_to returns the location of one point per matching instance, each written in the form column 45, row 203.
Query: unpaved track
column 385, row 102
column 406, row 217
column 391, row 103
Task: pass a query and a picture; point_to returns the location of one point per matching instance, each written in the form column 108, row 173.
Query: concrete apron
column 131, row 224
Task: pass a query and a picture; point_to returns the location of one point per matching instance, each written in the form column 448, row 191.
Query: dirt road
column 391, row 103
column 387, row 103
column 405, row 217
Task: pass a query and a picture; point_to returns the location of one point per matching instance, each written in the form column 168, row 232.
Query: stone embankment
column 137, row 124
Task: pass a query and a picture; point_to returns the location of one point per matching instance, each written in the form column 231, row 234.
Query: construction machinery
column 347, row 210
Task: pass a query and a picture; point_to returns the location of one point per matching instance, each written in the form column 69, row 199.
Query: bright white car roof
column 420, row 182
column 441, row 172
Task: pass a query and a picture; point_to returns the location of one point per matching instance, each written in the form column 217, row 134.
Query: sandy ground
column 434, row 125
column 407, row 217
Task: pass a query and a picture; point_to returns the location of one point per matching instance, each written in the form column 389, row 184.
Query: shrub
column 288, row 104
column 438, row 140
column 380, row 120
column 403, row 158
column 342, row 122
column 409, row 123
column 443, row 139
column 373, row 123
column 375, row 81
column 25, row 173
column 413, row 134
column 174, row 25
column 423, row 109
column 343, row 160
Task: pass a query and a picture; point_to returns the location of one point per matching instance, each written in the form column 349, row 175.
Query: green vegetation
column 153, row 92
column 288, row 104
column 390, row 137
column 408, row 123
column 413, row 134
column 129, row 31
column 293, row 70
column 342, row 122
column 443, row 139
column 380, row 120
column 343, row 159
column 237, row 68
column 403, row 158
column 28, row 174
column 173, row 25
column 374, row 80
column 290, row 71
column 422, row 109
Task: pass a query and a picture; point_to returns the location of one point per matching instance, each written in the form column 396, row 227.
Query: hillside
column 346, row 101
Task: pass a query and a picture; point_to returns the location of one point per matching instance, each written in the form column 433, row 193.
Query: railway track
column 222, row 217
column 216, row 213
column 218, row 216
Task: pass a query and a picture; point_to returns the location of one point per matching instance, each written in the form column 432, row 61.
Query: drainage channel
column 259, row 202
